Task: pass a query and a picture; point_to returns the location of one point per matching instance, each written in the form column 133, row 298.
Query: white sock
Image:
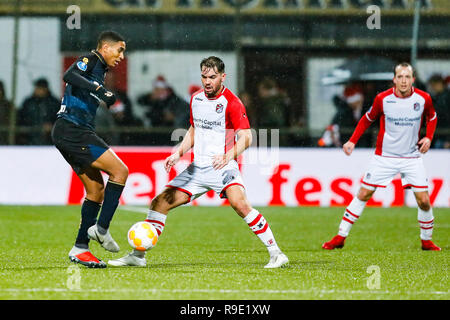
column 260, row 227
column 158, row 220
column 351, row 215
column 426, row 222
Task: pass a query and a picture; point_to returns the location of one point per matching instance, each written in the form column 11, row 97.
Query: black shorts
column 79, row 146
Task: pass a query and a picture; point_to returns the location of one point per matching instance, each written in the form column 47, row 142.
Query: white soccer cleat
column 105, row 240
column 130, row 260
column 278, row 260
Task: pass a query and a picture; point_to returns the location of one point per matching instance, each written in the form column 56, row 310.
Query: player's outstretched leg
column 159, row 208
column 136, row 258
column 351, row 215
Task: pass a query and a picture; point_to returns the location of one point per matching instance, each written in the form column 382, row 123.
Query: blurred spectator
column 165, row 108
column 39, row 111
column 349, row 112
column 5, row 111
column 193, row 88
column 440, row 95
column 247, row 101
column 447, row 82
column 122, row 112
column 273, row 107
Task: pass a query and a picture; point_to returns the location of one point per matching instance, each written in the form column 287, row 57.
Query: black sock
column 89, row 212
column 113, row 191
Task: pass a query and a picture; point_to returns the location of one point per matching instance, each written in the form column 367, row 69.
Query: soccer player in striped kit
column 217, row 116
column 74, row 136
column 401, row 111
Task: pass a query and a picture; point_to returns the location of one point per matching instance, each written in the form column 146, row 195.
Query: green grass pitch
column 210, row 253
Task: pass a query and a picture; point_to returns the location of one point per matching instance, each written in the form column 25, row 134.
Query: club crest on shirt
column 219, row 108
column 416, row 106
column 82, row 65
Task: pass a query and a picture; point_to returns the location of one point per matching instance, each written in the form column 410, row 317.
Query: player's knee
column 120, row 174
column 124, row 172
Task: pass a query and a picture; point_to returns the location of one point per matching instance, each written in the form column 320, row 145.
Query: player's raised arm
column 75, row 74
column 185, row 146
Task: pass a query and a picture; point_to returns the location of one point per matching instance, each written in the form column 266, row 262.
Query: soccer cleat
column 277, row 261
column 129, row 260
column 336, row 243
column 429, row 245
column 105, row 240
column 86, row 258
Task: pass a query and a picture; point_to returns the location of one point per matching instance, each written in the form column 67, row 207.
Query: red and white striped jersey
column 216, row 122
column 400, row 122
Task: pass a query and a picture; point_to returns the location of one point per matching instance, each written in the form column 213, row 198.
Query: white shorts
column 382, row 170
column 195, row 181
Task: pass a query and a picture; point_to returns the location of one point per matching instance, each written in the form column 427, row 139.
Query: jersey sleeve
column 431, row 117
column 191, row 119
column 76, row 73
column 376, row 110
column 367, row 119
column 236, row 117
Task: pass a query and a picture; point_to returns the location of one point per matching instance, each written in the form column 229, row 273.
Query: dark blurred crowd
column 269, row 107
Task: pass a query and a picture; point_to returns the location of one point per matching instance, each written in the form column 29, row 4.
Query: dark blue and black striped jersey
column 79, row 104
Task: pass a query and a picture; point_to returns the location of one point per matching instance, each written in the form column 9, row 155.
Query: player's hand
column 171, row 161
column 105, row 95
column 424, row 144
column 348, row 147
column 220, row 161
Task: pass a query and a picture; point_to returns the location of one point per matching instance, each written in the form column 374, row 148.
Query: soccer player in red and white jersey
column 401, row 111
column 217, row 116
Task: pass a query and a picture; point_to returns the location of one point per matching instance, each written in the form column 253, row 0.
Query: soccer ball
column 142, row 236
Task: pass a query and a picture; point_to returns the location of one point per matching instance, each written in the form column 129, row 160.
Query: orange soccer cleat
column 429, row 245
column 336, row 243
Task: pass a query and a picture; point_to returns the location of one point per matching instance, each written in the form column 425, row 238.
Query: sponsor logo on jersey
column 416, row 106
column 219, row 108
column 197, row 98
column 81, row 65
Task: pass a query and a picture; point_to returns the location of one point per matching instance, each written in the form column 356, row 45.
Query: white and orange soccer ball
column 142, row 236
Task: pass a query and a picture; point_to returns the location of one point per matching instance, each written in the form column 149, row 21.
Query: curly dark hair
column 213, row 62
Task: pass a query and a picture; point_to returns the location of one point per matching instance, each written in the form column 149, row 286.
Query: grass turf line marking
column 133, row 209
column 317, row 291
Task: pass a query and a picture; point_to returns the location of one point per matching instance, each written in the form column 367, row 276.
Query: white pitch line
column 293, row 291
column 133, row 209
